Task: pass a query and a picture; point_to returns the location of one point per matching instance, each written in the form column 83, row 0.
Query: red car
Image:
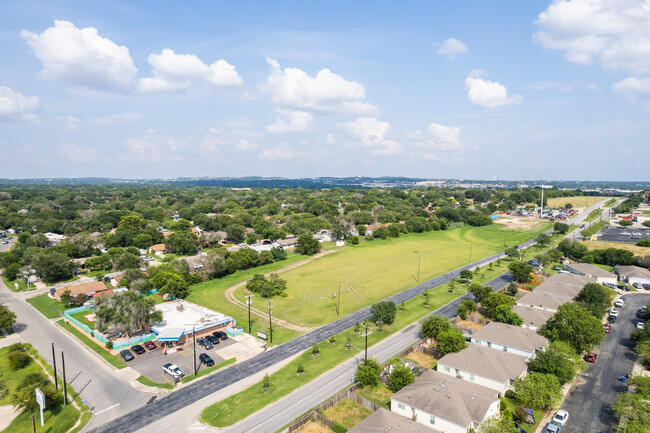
column 150, row 345
column 592, row 357
column 607, row 327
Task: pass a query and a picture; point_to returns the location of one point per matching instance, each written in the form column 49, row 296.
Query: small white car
column 640, row 325
column 613, row 312
column 619, row 303
column 560, row 417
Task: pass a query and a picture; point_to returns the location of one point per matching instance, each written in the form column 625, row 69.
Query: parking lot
column 150, row 364
column 623, row 234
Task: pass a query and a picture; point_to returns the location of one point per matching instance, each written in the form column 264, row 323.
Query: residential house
column 77, row 289
column 491, row 368
column 158, row 249
column 533, row 317
column 510, row 338
column 288, row 243
column 446, row 403
column 54, row 238
column 567, row 285
column 542, row 301
column 383, row 420
column 633, row 274
column 585, row 269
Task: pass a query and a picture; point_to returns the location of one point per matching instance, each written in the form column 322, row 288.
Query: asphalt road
column 589, row 400
column 106, row 392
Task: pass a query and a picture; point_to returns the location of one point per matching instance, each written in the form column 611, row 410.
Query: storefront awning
column 170, row 334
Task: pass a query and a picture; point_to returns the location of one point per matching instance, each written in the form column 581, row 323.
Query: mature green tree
column 40, row 240
column 634, row 407
column 434, row 325
column 7, row 318
column 498, row 425
column 520, row 271
column 143, row 241
column 555, row 362
column 504, row 314
column 575, row 325
column 543, row 240
column 183, row 242
column 67, row 298
column 595, row 298
column 642, row 348
column 513, row 253
column 23, row 398
column 496, row 299
column 11, row 271
column 538, row 391
column 480, row 292
column 572, row 248
column 172, row 283
column 384, row 311
column 561, row 228
column 400, row 377
column 127, row 310
column 465, row 307
column 466, row 274
column 307, row 245
column 368, row 373
column 127, row 261
column 52, row 266
column 267, row 287
column 450, row 341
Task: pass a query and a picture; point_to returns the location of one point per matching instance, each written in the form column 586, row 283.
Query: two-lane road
column 590, row 399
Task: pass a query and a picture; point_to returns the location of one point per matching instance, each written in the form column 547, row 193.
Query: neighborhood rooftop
column 543, row 300
column 532, row 316
column 511, row 336
column 633, row 271
column 568, row 285
column 384, row 421
column 455, row 400
column 186, row 315
column 594, row 271
column 490, row 363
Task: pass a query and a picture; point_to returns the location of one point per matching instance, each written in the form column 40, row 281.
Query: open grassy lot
column 347, row 413
column 81, row 316
column 57, row 417
column 379, row 394
column 372, row 271
column 580, row 202
column 599, row 245
column 211, row 294
column 50, row 308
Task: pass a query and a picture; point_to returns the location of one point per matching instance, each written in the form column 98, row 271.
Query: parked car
column 561, row 416
column 204, row 342
column 619, row 302
column 590, row 357
column 607, row 327
column 613, row 312
column 212, row 339
column 139, row 350
column 640, row 325
column 173, row 370
column 552, row 428
column 127, row 355
column 220, row 334
column 206, row 360
column 622, row 287
column 150, row 345
column 611, row 319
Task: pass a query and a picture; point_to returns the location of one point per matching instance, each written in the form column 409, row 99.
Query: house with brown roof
column 543, row 301
column 78, row 289
column 491, row 368
column 158, row 249
column 533, row 317
column 510, row 338
column 587, row 270
column 567, row 285
column 383, row 420
column 445, row 403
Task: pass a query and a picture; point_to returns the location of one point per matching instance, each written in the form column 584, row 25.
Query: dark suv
column 206, row 360
column 127, row 355
column 220, row 334
column 204, row 342
column 212, row 339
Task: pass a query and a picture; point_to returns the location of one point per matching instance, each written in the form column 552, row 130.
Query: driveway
column 590, row 399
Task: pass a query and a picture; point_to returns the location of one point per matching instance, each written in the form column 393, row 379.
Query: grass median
column 112, row 359
column 208, row 370
column 148, row 382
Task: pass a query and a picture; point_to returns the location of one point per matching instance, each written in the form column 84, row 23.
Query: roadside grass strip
column 48, row 307
column 114, row 360
column 208, row 370
column 148, row 382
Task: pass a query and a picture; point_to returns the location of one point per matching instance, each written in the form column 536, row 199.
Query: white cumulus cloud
column 488, row 94
column 330, row 139
column 281, row 152
column 615, row 33
column 292, row 121
column 326, row 92
column 81, row 57
column 370, row 133
column 15, row 105
column 452, row 47
column 174, row 72
column 633, row 85
column 445, row 137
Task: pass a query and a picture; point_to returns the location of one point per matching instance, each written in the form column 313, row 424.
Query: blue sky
column 446, row 89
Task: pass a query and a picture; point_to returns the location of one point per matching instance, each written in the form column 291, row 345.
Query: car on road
column 613, row 312
column 640, row 325
column 591, row 357
column 126, row 355
column 150, row 345
column 561, row 416
column 137, row 349
column 220, row 334
column 619, row 303
column 212, row 339
column 173, row 370
column 206, row 360
column 607, row 327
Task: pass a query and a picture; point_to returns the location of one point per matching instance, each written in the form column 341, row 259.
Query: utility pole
column 65, row 384
column 270, row 324
column 365, row 362
column 470, row 251
column 56, row 380
column 249, row 301
column 541, row 205
column 194, row 338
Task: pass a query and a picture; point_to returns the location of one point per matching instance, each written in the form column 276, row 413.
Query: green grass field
column 577, row 201
column 372, row 271
column 81, row 317
column 594, row 214
column 50, row 308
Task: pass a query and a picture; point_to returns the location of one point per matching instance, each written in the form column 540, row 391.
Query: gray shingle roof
column 633, row 271
column 485, row 362
column 382, row 421
column 446, row 397
column 568, row 285
column 543, row 300
column 532, row 316
column 511, row 336
column 594, row 271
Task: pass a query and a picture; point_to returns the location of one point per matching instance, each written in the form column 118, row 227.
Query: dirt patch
column 426, row 361
column 469, row 324
column 519, row 223
column 90, row 317
column 313, row 427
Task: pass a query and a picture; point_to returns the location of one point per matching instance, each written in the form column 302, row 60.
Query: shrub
column 338, row 428
column 400, row 377
column 109, row 345
column 353, row 240
column 625, row 223
column 520, row 414
column 384, row 311
column 315, row 350
column 16, row 347
column 502, row 405
column 368, row 373
column 510, row 394
column 300, row 369
column 644, row 243
column 17, row 360
column 332, row 339
column 266, row 382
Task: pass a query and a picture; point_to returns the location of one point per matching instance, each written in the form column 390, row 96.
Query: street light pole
column 194, row 349
column 270, row 323
column 56, row 380
column 249, row 301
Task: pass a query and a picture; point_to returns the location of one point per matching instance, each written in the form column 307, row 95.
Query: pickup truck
column 173, row 370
